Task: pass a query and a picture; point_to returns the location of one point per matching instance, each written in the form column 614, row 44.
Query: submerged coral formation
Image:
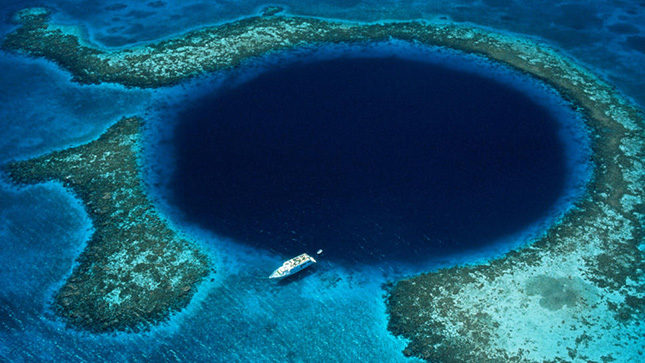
column 135, row 269
column 575, row 294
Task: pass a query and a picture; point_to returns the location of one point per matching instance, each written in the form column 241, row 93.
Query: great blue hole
column 367, row 158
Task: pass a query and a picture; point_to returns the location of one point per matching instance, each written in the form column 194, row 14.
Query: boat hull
column 293, row 266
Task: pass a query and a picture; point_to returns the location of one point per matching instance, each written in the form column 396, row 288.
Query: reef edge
column 135, row 270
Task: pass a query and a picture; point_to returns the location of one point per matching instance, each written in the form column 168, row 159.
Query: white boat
column 292, row 266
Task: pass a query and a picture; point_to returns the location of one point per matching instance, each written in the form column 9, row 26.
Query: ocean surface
column 377, row 160
column 504, row 157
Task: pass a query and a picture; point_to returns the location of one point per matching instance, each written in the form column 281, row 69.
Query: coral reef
column 575, row 294
column 135, row 270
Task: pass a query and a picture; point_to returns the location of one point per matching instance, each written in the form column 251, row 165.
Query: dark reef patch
column 115, row 7
column 578, row 17
column 157, row 4
column 368, row 159
column 636, row 42
column 499, row 3
column 624, row 28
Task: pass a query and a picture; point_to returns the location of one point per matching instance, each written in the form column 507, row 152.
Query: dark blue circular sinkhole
column 369, row 159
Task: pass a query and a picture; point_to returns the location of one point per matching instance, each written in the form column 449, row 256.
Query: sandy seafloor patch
column 331, row 314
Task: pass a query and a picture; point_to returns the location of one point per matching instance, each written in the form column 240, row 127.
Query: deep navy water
column 337, row 310
column 368, row 159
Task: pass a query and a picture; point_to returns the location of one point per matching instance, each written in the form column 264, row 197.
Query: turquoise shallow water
column 337, row 312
